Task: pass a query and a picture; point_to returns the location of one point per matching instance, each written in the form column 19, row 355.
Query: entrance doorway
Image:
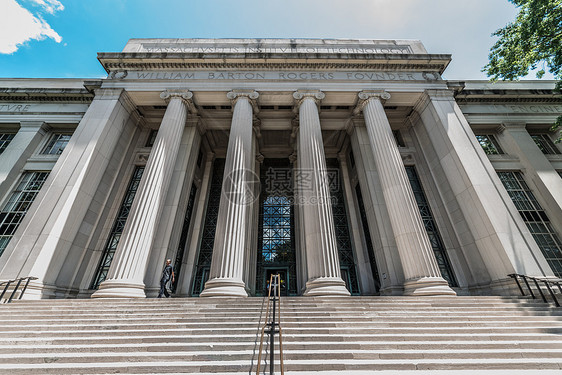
column 276, row 231
column 283, row 275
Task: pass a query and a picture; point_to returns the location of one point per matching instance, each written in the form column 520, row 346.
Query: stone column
column 324, row 274
column 60, row 215
column 487, row 223
column 539, row 171
column 21, row 147
column 421, row 272
column 239, row 182
column 125, row 276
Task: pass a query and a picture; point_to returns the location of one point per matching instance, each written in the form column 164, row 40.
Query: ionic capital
column 184, row 95
column 367, row 95
column 300, row 96
column 251, row 95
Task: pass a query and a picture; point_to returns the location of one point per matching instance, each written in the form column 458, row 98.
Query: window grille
column 368, row 240
column 183, row 236
column 117, row 229
column 276, row 228
column 201, row 273
column 343, row 237
column 57, row 143
column 431, row 227
column 5, row 139
column 18, row 204
column 535, row 218
column 489, row 143
column 545, row 144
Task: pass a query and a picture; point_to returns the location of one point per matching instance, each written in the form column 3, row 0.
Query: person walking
column 167, row 275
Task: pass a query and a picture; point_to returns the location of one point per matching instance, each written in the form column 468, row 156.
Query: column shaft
column 125, row 276
column 418, row 261
column 324, row 275
column 227, row 264
column 18, row 151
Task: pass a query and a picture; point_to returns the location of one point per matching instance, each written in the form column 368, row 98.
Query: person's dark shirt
column 167, row 274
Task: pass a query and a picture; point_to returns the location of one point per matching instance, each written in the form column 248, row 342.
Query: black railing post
column 540, row 290
column 5, row 289
column 272, row 330
column 25, row 286
column 528, row 286
column 514, row 276
column 15, row 290
column 551, row 293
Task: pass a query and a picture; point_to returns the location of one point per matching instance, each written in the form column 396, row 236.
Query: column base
column 326, row 286
column 120, row 289
column 428, row 286
column 222, row 287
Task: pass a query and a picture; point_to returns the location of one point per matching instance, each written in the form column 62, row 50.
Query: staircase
column 339, row 335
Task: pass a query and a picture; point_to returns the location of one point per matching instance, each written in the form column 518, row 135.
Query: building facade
column 347, row 166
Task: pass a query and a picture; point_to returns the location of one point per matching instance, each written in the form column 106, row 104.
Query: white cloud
column 50, row 6
column 18, row 25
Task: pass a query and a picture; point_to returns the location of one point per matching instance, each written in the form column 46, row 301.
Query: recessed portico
column 345, row 165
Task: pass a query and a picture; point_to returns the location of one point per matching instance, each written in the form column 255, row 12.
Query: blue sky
column 64, row 36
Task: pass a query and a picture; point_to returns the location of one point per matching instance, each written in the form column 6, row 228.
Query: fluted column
column 324, row 274
column 238, row 192
column 421, row 272
column 125, row 276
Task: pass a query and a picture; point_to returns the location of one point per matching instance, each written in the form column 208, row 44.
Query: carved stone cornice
column 81, row 95
column 376, row 64
column 366, row 95
column 251, row 95
column 301, row 95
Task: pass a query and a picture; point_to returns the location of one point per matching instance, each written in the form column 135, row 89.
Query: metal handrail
column 549, row 283
column 274, row 299
column 27, row 279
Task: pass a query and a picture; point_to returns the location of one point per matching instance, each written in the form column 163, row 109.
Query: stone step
column 291, row 365
column 295, row 326
column 303, row 312
column 288, row 355
column 356, row 323
column 88, row 347
column 301, row 338
column 354, row 334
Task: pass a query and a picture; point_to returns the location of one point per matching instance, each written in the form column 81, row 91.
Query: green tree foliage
column 533, row 40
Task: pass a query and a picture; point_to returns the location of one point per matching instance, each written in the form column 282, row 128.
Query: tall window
column 535, row 218
column 545, row 144
column 489, row 143
column 56, row 144
column 5, row 139
column 343, row 237
column 18, row 203
column 368, row 240
column 201, row 272
column 117, row 229
column 183, row 236
column 431, row 227
column 276, row 229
